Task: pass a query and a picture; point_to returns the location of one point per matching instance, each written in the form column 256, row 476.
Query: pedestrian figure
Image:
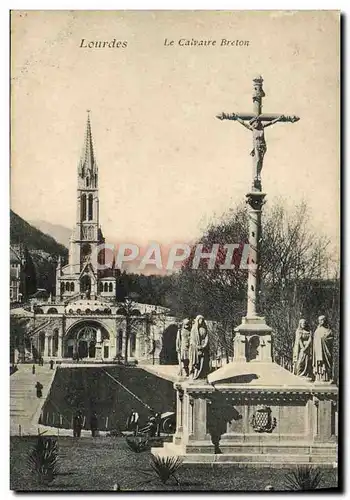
column 94, row 424
column 41, row 361
column 77, row 424
column 39, row 389
column 51, row 364
column 33, row 369
column 132, row 423
column 158, row 420
column 152, row 427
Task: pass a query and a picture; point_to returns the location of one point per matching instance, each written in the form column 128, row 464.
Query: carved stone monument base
column 257, row 414
column 253, row 340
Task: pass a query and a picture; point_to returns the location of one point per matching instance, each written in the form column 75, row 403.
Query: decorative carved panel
column 262, row 420
column 88, row 232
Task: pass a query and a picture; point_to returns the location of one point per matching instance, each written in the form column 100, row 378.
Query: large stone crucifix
column 256, row 122
column 253, row 335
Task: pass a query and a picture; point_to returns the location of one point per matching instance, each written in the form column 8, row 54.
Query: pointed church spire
column 88, row 166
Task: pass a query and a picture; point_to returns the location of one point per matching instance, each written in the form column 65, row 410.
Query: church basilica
column 84, row 320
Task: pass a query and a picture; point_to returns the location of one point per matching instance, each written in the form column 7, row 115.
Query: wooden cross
column 256, row 122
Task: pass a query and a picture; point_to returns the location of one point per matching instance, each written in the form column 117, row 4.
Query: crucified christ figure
column 259, row 144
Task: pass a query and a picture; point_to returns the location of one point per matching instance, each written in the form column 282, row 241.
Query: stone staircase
column 25, row 407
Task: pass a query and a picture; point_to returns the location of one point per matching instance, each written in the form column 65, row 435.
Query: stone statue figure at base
column 98, row 336
column 199, row 349
column 302, row 352
column 323, row 351
column 183, row 346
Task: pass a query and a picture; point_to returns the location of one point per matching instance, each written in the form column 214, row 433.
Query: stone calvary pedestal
column 252, row 411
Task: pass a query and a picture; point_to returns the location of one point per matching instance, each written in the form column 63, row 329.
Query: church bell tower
column 86, row 276
column 87, row 235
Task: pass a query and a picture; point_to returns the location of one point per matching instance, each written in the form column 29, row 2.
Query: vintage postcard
column 174, row 266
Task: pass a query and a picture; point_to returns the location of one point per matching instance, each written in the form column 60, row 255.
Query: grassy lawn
column 90, row 389
column 89, row 464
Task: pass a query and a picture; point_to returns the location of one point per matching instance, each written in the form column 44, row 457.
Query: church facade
column 84, row 320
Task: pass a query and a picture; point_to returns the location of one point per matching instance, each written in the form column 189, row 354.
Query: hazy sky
column 166, row 165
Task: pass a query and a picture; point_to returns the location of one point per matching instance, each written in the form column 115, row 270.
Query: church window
column 90, row 201
column 72, row 287
column 110, row 287
column 100, row 287
column 106, row 287
column 87, row 181
column 67, row 287
column 62, row 287
column 83, row 207
column 86, row 250
column 95, row 180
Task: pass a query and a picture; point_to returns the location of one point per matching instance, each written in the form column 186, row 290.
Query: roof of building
column 87, row 304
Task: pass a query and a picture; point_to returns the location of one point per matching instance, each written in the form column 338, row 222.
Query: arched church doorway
column 82, row 338
column 83, row 351
column 41, row 348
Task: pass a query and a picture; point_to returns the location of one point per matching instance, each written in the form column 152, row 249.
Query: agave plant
column 165, row 467
column 305, row 478
column 43, row 460
column 137, row 444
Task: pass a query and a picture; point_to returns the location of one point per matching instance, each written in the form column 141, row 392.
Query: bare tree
column 128, row 309
column 19, row 339
column 294, row 259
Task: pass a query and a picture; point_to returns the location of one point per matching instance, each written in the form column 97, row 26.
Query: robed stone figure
column 302, row 351
column 199, row 349
column 183, row 346
column 323, row 351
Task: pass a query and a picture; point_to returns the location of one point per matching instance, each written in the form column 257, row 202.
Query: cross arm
column 236, row 117
column 263, row 117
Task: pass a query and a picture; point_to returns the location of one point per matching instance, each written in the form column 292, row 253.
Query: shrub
column 305, row 478
column 114, row 433
column 137, row 444
column 43, row 459
column 165, row 467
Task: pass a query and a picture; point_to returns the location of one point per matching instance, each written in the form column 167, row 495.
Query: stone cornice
column 318, row 390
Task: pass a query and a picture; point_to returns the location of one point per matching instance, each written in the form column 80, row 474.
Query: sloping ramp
column 25, row 407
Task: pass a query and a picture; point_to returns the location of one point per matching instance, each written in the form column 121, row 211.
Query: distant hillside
column 60, row 233
column 33, row 238
column 43, row 249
